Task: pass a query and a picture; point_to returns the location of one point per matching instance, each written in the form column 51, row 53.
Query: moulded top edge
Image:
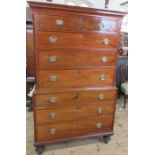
column 75, row 8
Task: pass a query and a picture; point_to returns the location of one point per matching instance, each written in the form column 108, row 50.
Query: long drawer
column 51, row 100
column 49, row 40
column 75, row 78
column 74, row 129
column 64, row 59
column 73, row 112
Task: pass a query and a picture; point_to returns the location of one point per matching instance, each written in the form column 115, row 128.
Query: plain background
column 141, row 77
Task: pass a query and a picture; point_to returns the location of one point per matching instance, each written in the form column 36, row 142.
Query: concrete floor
column 89, row 146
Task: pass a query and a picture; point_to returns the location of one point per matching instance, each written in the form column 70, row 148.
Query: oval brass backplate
column 53, row 39
column 53, row 115
column 53, row 131
column 101, row 25
column 53, row 99
column 98, row 125
column 52, row 59
column 53, row 78
column 102, row 77
column 106, row 41
column 104, row 59
column 59, row 22
column 101, row 97
column 100, row 110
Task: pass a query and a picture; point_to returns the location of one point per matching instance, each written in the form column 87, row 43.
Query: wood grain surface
column 72, row 59
column 73, row 129
column 75, row 40
column 46, row 22
column 75, row 78
column 42, row 100
column 73, row 112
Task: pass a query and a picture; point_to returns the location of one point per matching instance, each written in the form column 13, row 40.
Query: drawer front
column 64, row 59
column 73, row 112
column 75, row 78
column 64, row 99
column 47, row 40
column 66, row 130
column 100, row 24
column 57, row 22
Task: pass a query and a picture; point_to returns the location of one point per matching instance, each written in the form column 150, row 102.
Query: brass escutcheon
column 53, row 131
column 98, row 125
column 52, row 59
column 53, row 39
column 59, row 22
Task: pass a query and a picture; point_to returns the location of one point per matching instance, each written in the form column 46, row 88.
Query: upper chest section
column 75, row 20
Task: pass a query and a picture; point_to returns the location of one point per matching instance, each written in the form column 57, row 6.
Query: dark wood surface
column 101, row 24
column 73, row 112
column 30, row 55
column 75, row 78
column 78, row 50
column 74, row 128
column 70, row 98
column 76, row 23
column 76, row 59
column 69, row 40
column 70, row 23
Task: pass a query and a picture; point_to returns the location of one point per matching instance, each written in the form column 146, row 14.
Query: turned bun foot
column 40, row 149
column 105, row 139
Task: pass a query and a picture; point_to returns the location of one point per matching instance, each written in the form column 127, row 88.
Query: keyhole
column 77, row 96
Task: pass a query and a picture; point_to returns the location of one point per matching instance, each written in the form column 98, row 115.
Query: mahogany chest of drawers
column 75, row 61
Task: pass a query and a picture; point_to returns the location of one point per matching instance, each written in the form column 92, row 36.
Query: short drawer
column 57, row 22
column 73, row 112
column 72, row 59
column 51, row 100
column 60, row 131
column 75, row 78
column 103, row 24
column 49, row 40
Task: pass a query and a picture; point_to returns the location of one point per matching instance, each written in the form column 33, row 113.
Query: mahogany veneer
column 68, row 98
column 75, row 129
column 75, row 40
column 75, row 61
column 75, row 78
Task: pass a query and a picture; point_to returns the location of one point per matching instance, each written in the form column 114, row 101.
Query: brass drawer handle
column 101, row 97
column 101, row 25
column 53, row 99
column 53, row 39
column 52, row 59
column 98, row 125
column 104, row 59
column 106, row 41
column 100, row 110
column 53, row 131
column 53, row 115
column 59, row 22
column 53, row 78
column 102, row 77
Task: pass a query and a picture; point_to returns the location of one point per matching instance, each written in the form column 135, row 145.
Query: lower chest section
column 63, row 115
